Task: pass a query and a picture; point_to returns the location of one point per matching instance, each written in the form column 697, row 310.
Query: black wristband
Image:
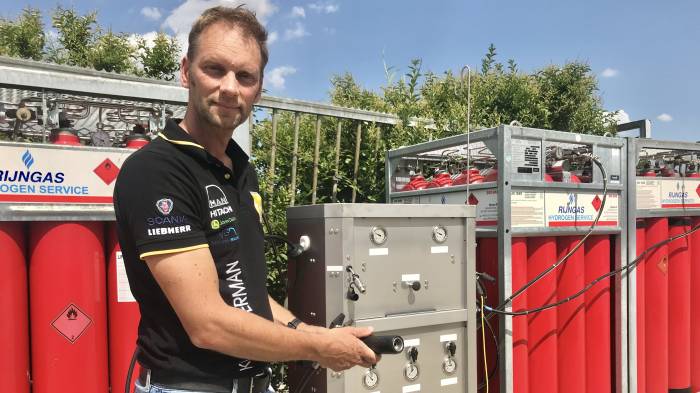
column 294, row 323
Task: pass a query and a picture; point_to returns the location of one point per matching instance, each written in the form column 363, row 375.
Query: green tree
column 161, row 60
column 23, row 37
column 112, row 52
column 76, row 35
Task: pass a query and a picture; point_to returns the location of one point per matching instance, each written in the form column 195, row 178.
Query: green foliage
column 112, row 52
column 23, row 37
column 76, row 35
column 161, row 59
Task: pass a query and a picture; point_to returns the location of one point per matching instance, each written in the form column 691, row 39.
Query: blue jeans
column 159, row 389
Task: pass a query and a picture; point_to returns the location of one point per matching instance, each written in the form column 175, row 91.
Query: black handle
column 385, row 345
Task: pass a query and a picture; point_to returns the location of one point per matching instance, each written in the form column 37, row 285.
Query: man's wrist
column 294, row 323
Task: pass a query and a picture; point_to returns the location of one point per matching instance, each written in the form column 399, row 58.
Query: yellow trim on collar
column 186, row 143
column 172, row 251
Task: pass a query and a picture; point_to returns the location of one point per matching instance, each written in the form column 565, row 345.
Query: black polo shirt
column 173, row 196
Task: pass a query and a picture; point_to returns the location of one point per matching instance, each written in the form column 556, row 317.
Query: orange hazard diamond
column 472, row 200
column 107, row 171
column 596, row 203
column 71, row 323
column 698, row 190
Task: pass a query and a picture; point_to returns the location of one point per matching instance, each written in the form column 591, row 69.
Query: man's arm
column 190, row 283
column 283, row 316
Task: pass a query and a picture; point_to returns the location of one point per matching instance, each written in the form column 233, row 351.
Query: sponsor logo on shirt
column 165, row 206
column 167, row 220
column 169, row 230
column 216, row 224
column 215, row 196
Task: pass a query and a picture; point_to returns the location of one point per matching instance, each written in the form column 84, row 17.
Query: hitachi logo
column 220, row 211
column 571, row 210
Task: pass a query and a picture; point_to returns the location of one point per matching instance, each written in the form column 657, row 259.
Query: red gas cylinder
column 124, row 316
column 417, row 182
column 64, row 136
column 695, row 307
column 68, row 307
column 598, row 316
column 440, row 179
column 468, row 176
column 641, row 307
column 124, row 312
column 571, row 318
column 542, row 326
column 136, row 141
column 520, row 334
column 491, row 174
column 679, row 307
column 669, row 171
column 14, row 331
column 692, row 174
column 656, row 310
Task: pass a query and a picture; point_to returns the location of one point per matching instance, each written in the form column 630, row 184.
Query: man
column 188, row 209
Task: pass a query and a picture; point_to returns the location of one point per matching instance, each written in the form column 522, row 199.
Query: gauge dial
column 378, row 235
column 371, row 379
column 449, row 365
column 411, row 371
column 439, row 233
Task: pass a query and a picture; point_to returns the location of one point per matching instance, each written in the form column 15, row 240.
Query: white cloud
column 151, row 13
column 665, row 117
column 276, row 77
column 324, row 7
column 609, row 73
column 272, row 37
column 181, row 18
column 297, row 32
column 621, row 116
column 298, row 12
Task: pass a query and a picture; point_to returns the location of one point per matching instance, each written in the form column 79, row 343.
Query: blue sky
column 646, row 54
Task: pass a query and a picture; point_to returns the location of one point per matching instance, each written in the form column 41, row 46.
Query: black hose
column 132, row 364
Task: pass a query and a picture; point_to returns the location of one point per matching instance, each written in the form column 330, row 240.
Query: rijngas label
column 65, row 175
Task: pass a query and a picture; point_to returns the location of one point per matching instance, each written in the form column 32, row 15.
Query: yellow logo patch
column 257, row 201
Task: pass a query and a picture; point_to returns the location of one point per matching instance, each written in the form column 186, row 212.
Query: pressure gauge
column 411, row 371
column 439, row 233
column 378, row 235
column 449, row 365
column 371, row 379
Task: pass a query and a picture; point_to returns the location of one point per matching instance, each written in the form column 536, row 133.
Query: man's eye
column 214, row 70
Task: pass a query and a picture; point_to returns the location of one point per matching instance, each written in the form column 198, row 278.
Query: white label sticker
column 569, row 209
column 410, row 277
column 334, row 268
column 448, row 381
column 527, row 209
column 414, row 342
column 411, row 388
column 486, row 202
column 439, row 250
column 448, row 337
column 648, row 193
column 124, row 294
column 378, row 251
column 526, row 155
column 680, row 193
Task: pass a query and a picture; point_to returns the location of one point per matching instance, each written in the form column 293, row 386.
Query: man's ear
column 185, row 72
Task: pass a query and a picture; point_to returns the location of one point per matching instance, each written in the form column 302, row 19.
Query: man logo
column 215, row 224
column 215, row 196
column 165, row 206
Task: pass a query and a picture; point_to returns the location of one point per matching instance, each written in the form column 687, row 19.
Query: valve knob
column 451, row 348
column 413, row 354
column 415, row 285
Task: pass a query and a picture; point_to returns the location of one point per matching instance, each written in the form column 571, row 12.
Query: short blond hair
column 239, row 18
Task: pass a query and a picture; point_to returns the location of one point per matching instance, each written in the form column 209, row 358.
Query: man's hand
column 340, row 349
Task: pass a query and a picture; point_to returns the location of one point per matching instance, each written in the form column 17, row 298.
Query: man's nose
column 229, row 84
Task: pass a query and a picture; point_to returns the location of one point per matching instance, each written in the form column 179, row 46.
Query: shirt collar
column 174, row 134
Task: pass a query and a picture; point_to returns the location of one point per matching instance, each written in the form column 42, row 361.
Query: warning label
column 527, row 209
column 71, row 323
column 680, row 193
column 486, row 202
column 564, row 209
column 648, row 194
column 124, row 294
column 526, row 155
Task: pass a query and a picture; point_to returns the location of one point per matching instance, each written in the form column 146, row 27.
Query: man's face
column 224, row 77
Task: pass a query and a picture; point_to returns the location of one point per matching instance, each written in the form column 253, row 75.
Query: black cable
column 127, row 383
column 630, row 265
column 573, row 250
column 493, row 371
